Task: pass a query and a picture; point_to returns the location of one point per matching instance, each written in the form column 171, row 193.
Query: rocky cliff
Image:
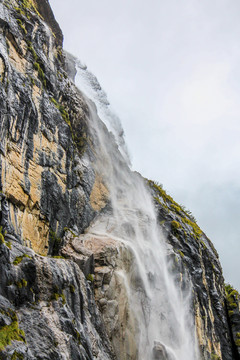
column 63, row 291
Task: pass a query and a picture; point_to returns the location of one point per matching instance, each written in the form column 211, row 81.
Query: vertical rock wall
column 45, row 172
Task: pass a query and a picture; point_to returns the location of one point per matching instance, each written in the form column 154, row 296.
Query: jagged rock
column 160, row 352
column 76, row 251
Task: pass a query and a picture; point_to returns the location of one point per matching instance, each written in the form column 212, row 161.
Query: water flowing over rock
column 96, row 262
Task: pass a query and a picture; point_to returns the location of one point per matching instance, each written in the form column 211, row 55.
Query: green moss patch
column 62, row 110
column 72, row 288
column 197, row 232
column 17, row 356
column 57, row 294
column 232, row 298
column 54, row 242
column 214, row 357
column 2, row 240
column 19, row 259
column 11, row 332
column 168, row 203
column 237, row 342
column 40, row 71
column 22, row 26
column 175, row 226
column 25, row 7
column 181, row 254
column 90, row 277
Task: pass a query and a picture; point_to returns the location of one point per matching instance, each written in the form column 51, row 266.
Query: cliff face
column 40, row 149
column 199, row 259
column 46, row 187
column 63, row 295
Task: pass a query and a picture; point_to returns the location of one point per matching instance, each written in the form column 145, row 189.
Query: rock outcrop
column 196, row 256
column 63, row 293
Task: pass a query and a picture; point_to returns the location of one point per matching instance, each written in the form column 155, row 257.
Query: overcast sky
column 171, row 70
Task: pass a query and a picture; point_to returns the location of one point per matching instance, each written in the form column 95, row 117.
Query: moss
column 9, row 245
column 232, row 294
column 166, row 200
column 196, row 229
column 62, row 110
column 237, row 342
column 22, row 283
column 232, row 305
column 203, row 244
column 17, row 356
column 40, row 72
column 78, row 337
column 80, row 141
column 214, row 357
column 19, row 259
column 7, row 5
column 181, row 254
column 67, row 229
column 33, row 52
column 2, row 241
column 54, row 242
column 11, row 332
column 20, row 11
column 176, row 226
column 32, row 81
column 54, row 101
column 37, row 65
column 25, row 7
column 72, row 288
column 176, row 209
column 232, row 299
column 56, row 295
column 90, row 277
column 22, row 26
column 63, row 298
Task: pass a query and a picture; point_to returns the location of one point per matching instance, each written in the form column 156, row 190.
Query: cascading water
column 163, row 322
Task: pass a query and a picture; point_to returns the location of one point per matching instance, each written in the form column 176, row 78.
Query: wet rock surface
column 160, row 352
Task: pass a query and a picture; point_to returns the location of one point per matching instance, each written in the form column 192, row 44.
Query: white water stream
column 160, row 308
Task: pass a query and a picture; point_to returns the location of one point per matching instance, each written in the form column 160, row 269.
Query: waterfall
column 164, row 325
